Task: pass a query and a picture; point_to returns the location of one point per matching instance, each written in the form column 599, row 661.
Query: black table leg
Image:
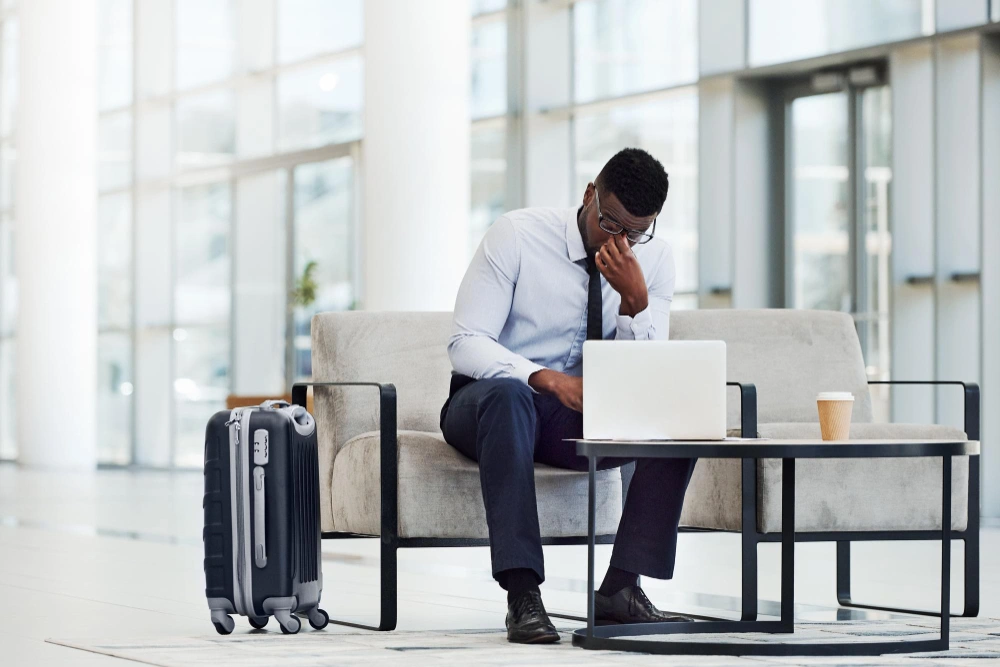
column 945, row 550
column 788, row 545
column 591, row 538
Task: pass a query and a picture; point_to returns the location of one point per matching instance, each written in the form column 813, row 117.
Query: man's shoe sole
column 538, row 639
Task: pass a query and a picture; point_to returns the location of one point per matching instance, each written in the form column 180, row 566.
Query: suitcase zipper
column 243, row 597
column 240, row 528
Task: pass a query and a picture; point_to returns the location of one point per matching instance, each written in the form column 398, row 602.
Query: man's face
column 613, row 211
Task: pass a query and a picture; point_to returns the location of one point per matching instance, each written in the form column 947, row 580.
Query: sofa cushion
column 408, row 350
column 835, row 494
column 790, row 355
column 440, row 494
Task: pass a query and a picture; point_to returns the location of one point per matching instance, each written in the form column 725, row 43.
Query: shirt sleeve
column 653, row 322
column 482, row 307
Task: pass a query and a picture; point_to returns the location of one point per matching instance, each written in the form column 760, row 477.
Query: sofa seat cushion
column 835, row 494
column 440, row 494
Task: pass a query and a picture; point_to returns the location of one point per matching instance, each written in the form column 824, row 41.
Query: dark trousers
column 507, row 428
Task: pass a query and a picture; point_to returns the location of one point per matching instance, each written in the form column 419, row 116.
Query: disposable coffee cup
column 835, row 414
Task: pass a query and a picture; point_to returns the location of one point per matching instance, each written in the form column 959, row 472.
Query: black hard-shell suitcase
column 262, row 524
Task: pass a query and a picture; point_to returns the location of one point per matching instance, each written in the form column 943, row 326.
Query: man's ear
column 588, row 194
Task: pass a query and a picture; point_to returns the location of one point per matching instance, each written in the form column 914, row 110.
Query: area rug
column 973, row 642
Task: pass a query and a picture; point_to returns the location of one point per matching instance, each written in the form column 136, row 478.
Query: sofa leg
column 749, row 572
column 971, row 575
column 387, row 595
column 748, row 530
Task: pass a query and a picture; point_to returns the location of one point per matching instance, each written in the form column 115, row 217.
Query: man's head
column 631, row 189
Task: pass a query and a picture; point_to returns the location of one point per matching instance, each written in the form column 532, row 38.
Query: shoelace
column 640, row 595
column 531, row 603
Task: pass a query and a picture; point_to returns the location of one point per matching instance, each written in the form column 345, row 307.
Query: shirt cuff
column 522, row 370
column 635, row 328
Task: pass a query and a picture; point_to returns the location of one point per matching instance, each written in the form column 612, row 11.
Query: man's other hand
column 568, row 389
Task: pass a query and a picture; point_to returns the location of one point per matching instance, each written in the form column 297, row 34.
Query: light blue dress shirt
column 522, row 305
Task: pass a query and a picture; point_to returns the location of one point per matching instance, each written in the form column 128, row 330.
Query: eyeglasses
column 615, row 228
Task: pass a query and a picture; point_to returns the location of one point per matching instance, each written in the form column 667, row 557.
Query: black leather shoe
column 630, row 605
column 527, row 622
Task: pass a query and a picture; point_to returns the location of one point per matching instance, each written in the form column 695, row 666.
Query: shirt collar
column 574, row 242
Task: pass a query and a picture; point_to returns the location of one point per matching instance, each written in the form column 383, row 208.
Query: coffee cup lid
column 835, row 396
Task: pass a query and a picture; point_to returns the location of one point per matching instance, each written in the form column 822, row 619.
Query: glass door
column 838, row 186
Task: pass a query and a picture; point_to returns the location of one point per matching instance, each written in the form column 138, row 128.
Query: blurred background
column 258, row 161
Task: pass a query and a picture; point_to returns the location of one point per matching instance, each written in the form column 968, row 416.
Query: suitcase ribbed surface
column 305, row 475
column 216, row 533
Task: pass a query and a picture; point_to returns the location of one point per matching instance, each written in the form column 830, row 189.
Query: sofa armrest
column 748, row 408
column 971, row 390
column 388, row 447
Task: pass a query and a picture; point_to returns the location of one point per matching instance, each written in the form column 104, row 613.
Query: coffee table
column 619, row 637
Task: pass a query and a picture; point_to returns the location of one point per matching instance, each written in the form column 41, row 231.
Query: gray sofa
column 391, row 428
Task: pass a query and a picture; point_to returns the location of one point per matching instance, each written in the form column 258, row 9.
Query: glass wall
column 639, row 46
column 787, row 30
column 211, row 94
column 8, row 277
column 488, row 106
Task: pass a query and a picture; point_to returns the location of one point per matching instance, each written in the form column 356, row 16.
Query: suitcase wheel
column 259, row 623
column 318, row 618
column 290, row 625
column 224, row 624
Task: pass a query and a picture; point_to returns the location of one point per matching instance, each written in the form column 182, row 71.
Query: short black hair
column 637, row 179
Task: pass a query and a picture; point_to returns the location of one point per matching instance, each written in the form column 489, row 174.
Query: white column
column 416, row 153
column 991, row 280
column 758, row 249
column 548, row 84
column 56, row 246
column 913, row 300
column 716, row 106
column 958, row 206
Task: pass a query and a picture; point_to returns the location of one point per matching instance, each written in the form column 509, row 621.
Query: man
column 543, row 281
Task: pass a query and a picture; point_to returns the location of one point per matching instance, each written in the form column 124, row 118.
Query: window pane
column 8, row 278
column 260, row 288
column 626, row 46
column 153, row 397
column 486, row 6
column 668, row 129
column 785, row 30
column 114, row 398
column 8, row 175
column 206, row 131
column 312, row 27
column 320, row 105
column 874, row 326
column 154, row 41
column 819, row 224
column 489, row 69
column 201, row 291
column 324, row 234
column 8, row 95
column 114, row 53
column 489, row 180
column 114, row 158
column 114, row 261
column 206, row 44
column 8, row 409
column 201, row 384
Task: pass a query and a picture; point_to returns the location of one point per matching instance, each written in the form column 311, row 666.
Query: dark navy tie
column 595, row 304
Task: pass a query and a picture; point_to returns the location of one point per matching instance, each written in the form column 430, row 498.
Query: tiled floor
column 117, row 554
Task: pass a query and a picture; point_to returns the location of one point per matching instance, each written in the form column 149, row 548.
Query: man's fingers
column 612, row 246
column 622, row 245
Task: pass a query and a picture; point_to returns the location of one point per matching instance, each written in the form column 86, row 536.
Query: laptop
column 654, row 390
